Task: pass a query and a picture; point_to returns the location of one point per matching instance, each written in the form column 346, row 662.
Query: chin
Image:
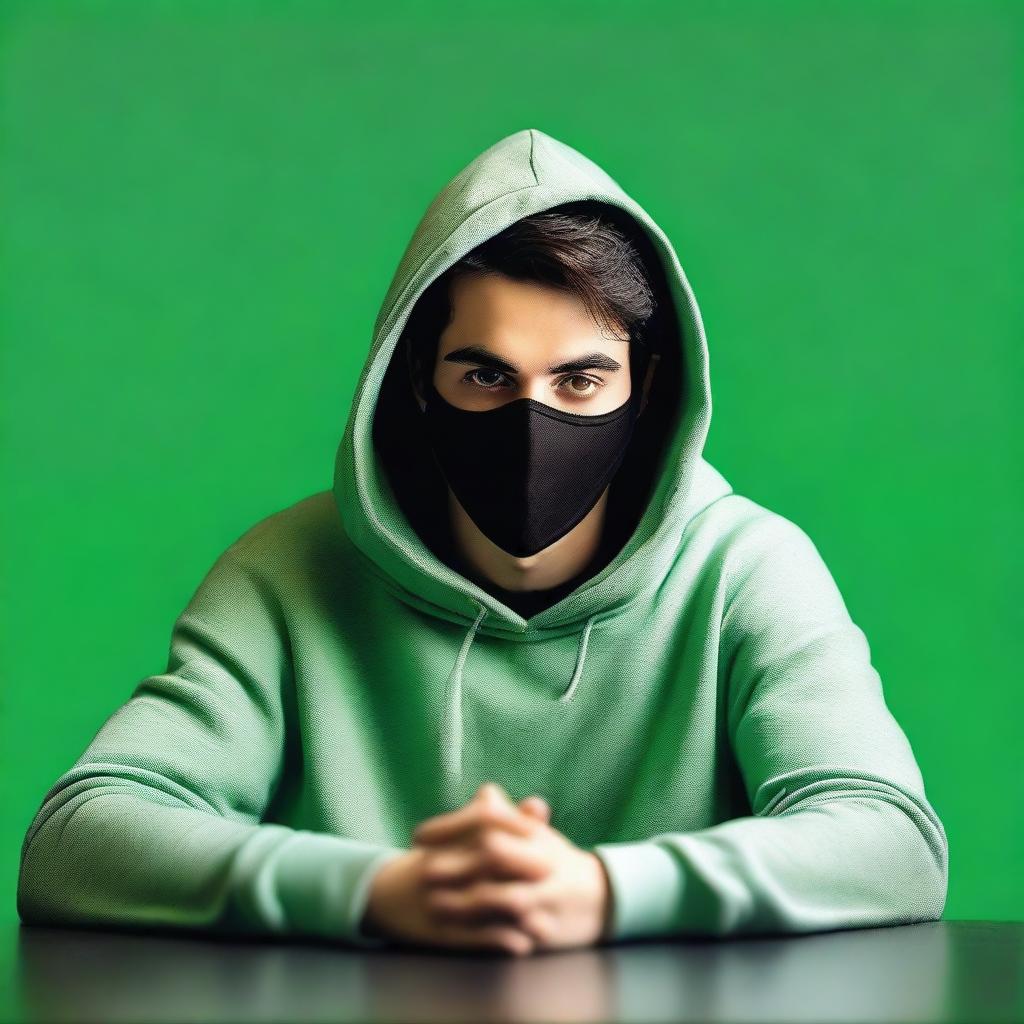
column 539, row 571
column 514, row 572
column 525, row 563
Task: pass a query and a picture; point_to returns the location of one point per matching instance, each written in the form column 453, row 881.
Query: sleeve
column 158, row 823
column 841, row 834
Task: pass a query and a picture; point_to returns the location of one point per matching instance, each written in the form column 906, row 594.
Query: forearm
column 844, row 862
column 118, row 853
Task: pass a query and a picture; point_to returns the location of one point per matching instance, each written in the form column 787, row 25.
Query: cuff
column 322, row 885
column 647, row 884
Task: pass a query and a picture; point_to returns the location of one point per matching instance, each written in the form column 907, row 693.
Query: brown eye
column 590, row 387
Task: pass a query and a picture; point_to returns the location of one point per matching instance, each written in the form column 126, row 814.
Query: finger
column 537, row 925
column 501, row 938
column 537, row 806
column 514, row 899
column 494, row 795
column 445, row 827
column 493, row 791
column 501, row 855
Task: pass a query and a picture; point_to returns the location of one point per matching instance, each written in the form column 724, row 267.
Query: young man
column 531, row 675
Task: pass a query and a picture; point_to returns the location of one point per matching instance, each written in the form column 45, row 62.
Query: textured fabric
column 702, row 712
column 507, row 466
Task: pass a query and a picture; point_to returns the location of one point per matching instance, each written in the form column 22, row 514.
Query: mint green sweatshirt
column 702, row 713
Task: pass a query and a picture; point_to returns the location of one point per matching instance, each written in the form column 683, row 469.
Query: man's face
column 511, row 339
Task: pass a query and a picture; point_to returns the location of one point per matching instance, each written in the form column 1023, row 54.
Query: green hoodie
column 702, row 712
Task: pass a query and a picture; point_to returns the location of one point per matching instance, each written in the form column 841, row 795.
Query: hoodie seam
column 533, row 166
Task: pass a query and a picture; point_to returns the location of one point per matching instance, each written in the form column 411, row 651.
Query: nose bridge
column 539, row 387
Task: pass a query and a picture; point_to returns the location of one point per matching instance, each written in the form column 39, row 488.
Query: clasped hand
column 492, row 875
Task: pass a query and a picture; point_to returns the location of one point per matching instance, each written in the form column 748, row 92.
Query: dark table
column 962, row 971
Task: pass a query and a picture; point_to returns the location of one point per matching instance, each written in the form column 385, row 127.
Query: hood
column 522, row 174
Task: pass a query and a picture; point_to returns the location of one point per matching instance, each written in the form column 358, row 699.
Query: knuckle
column 436, row 899
column 444, row 905
column 492, row 845
column 491, row 815
column 437, row 869
column 538, row 925
column 516, row 903
column 429, row 862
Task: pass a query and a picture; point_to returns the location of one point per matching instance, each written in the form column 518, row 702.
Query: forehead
column 525, row 315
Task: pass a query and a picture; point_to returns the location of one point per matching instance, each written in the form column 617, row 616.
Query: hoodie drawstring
column 452, row 739
column 581, row 657
column 451, row 745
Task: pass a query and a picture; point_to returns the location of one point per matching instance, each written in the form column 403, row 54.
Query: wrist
column 605, row 898
column 370, row 924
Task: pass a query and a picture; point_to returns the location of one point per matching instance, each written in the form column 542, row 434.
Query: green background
column 203, row 205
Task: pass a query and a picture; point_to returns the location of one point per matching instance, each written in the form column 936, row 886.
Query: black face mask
column 527, row 473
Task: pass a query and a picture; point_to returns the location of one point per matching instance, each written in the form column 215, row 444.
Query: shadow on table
column 901, row 973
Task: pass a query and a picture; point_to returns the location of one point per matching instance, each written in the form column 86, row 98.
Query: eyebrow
column 481, row 356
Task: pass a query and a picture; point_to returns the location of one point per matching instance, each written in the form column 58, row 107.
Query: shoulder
column 736, row 530
column 759, row 558
column 304, row 538
column 772, row 575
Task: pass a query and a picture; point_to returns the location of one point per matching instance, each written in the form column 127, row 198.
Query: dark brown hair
column 577, row 247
